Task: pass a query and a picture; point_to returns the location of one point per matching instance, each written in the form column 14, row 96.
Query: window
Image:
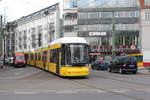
column 147, row 15
column 39, row 29
column 106, row 27
column 39, row 56
column 93, row 15
column 126, row 26
column 35, row 56
column 44, row 56
column 83, row 15
column 93, row 27
column 77, row 54
column 118, row 26
column 105, row 41
column 105, row 14
column 51, row 32
column 118, row 14
column 147, row 2
column 32, row 57
column 83, row 27
column 54, row 55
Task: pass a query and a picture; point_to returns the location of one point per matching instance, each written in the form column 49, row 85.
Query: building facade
column 145, row 28
column 10, row 41
column 106, row 24
column 38, row 29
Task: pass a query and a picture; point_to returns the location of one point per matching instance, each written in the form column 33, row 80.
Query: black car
column 123, row 64
column 100, row 64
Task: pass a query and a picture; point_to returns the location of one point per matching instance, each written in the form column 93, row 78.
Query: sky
column 15, row 9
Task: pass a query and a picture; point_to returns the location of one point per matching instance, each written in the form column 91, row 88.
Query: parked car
column 123, row 64
column 100, row 64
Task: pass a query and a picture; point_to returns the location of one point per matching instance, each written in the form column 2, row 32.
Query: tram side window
column 39, row 56
column 54, row 56
column 51, row 56
column 44, row 56
column 32, row 57
column 62, row 57
column 26, row 57
column 35, row 56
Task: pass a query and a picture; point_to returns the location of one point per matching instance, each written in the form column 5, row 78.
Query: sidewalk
column 144, row 70
column 5, row 68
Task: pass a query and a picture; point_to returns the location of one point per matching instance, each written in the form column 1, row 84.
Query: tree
column 3, row 34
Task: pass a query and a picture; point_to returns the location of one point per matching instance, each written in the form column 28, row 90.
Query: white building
column 145, row 29
column 37, row 29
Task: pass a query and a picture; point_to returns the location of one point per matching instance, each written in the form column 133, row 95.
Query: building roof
column 69, row 40
column 39, row 13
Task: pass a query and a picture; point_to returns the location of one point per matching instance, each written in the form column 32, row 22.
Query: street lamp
column 113, row 35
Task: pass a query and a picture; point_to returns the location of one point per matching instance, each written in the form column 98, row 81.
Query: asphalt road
column 33, row 84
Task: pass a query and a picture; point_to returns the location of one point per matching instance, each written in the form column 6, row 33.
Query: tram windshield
column 77, row 54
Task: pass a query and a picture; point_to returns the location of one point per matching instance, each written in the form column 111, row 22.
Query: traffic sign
column 132, row 47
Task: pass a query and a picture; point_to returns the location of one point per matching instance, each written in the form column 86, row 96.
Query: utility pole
column 4, row 37
column 1, row 38
column 113, row 35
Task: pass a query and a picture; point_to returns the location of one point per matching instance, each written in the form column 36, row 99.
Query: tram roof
column 69, row 40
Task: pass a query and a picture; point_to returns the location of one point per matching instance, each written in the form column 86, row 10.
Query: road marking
column 119, row 90
column 24, row 92
column 102, row 91
column 66, row 92
column 48, row 91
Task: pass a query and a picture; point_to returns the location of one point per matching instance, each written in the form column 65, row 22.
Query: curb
column 5, row 68
column 144, row 71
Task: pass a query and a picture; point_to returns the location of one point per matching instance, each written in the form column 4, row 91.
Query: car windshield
column 130, row 59
column 19, row 57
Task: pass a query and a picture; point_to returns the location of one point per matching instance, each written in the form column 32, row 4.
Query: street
column 32, row 83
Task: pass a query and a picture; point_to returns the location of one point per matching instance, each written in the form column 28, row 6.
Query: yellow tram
column 66, row 56
column 139, row 58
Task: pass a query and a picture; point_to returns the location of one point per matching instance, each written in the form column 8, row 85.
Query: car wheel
column 121, row 71
column 109, row 69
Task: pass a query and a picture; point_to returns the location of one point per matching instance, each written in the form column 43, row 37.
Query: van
column 19, row 60
column 123, row 64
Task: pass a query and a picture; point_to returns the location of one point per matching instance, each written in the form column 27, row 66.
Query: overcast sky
column 15, row 9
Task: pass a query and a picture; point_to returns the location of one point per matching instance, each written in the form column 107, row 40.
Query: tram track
column 131, row 82
column 106, row 90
